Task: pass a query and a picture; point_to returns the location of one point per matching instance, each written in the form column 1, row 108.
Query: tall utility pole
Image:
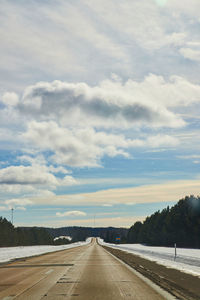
column 12, row 210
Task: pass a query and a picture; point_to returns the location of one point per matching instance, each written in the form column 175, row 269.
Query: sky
column 99, row 109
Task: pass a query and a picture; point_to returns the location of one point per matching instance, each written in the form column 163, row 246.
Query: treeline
column 108, row 234
column 115, row 235
column 75, row 232
column 179, row 224
column 11, row 236
column 27, row 236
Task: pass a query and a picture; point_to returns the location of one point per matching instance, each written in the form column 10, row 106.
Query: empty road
column 86, row 272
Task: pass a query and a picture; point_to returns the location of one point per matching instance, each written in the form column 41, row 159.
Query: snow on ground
column 10, row 253
column 67, row 237
column 187, row 260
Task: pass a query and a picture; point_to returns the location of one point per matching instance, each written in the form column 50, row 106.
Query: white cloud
column 91, row 34
column 73, row 213
column 191, row 156
column 111, row 103
column 78, row 122
column 74, row 122
column 66, row 108
column 10, row 119
column 100, row 222
column 140, row 21
column 66, row 36
column 68, row 148
column 68, row 181
column 161, row 2
column 6, row 134
column 17, row 204
column 30, row 181
column 9, row 189
column 81, row 147
column 162, row 141
column 187, row 8
column 44, row 193
column 27, row 175
column 32, row 160
column 85, row 147
column 10, row 99
column 41, row 46
column 39, row 160
column 191, row 54
column 163, row 192
column 20, row 202
column 58, row 169
column 21, row 208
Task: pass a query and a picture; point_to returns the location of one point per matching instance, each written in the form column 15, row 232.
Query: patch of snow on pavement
column 10, row 253
column 187, row 260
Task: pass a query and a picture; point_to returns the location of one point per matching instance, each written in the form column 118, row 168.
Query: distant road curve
column 87, row 273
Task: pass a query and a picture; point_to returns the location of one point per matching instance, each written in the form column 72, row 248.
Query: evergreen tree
column 180, row 225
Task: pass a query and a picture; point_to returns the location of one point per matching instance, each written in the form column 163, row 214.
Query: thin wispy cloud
column 72, row 213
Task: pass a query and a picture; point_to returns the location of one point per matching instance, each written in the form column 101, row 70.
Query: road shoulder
column 179, row 284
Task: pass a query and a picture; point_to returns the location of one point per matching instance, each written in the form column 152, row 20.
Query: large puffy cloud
column 85, row 147
column 10, row 189
column 39, row 160
column 26, row 175
column 152, row 103
column 10, row 99
column 36, row 177
column 81, row 147
column 111, row 103
column 28, row 182
column 74, row 120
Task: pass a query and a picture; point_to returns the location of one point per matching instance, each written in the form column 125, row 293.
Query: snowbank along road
column 187, row 260
column 87, row 272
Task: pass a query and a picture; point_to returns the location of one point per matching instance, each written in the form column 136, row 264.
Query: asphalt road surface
column 86, row 273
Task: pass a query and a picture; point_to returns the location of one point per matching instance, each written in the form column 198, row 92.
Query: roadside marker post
column 175, row 253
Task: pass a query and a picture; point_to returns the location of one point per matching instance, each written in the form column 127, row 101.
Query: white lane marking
column 50, row 271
